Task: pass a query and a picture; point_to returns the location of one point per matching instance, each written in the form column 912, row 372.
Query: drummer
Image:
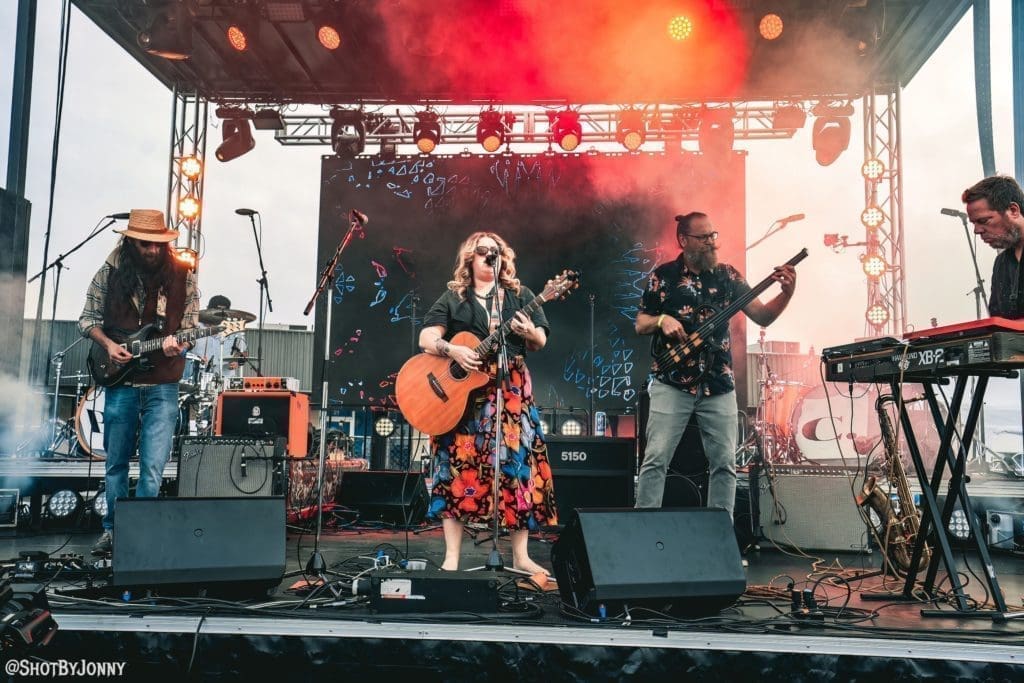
column 221, row 356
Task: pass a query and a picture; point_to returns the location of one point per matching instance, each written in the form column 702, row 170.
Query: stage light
column 716, row 133
column 959, row 526
column 631, row 131
column 872, row 217
column 384, row 426
column 566, row 129
column 99, row 504
column 348, row 133
column 169, row 35
column 191, row 167
column 830, row 138
column 873, row 265
column 571, row 427
column 770, row 27
column 680, row 28
column 327, row 32
column 187, row 257
column 188, row 206
column 268, row 119
column 490, row 131
column 788, row 117
column 237, row 139
column 243, row 29
column 877, row 314
column 62, row 504
column 872, row 169
column 426, row 132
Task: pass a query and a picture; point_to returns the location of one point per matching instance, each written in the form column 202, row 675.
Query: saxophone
column 899, row 531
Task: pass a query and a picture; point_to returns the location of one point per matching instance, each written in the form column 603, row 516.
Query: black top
column 675, row 290
column 1006, row 275
column 463, row 315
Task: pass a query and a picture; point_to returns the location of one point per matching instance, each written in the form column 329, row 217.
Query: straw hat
column 148, row 225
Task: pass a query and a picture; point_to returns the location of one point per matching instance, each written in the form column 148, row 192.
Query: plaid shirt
column 96, row 297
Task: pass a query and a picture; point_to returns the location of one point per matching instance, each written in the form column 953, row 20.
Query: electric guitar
column 669, row 354
column 109, row 373
column 432, row 391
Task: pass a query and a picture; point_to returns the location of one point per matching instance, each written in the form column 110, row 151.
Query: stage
column 298, row 636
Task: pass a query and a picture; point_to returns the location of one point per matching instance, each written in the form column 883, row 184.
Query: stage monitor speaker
column 391, row 497
column 265, row 413
column 591, row 471
column 231, row 467
column 681, row 562
column 811, row 508
column 225, row 545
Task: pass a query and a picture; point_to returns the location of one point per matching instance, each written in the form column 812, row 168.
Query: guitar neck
column 181, row 337
column 484, row 348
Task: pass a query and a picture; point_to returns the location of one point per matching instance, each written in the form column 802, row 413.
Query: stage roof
column 532, row 51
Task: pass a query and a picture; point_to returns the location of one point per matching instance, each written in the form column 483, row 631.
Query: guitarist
column 463, row 471
column 140, row 282
column 674, row 292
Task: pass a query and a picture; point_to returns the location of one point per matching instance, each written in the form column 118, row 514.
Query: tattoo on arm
column 441, row 346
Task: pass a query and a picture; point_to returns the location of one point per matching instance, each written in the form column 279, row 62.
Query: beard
column 149, row 266
column 1008, row 241
column 704, row 259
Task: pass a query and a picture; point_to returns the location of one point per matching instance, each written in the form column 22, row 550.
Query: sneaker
column 105, row 545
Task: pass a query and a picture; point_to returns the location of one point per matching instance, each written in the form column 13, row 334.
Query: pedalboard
column 396, row 591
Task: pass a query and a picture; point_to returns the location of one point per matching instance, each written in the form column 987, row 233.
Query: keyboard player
column 994, row 207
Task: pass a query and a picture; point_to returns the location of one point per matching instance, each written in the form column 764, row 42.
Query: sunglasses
column 481, row 250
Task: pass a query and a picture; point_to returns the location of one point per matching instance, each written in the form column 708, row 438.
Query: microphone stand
column 58, row 265
column 980, row 299
column 264, row 288
column 494, row 561
column 775, row 227
column 316, row 564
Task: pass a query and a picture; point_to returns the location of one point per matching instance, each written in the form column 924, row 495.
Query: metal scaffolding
column 188, row 138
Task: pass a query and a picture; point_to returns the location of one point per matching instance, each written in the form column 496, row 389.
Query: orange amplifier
column 262, row 413
column 262, row 384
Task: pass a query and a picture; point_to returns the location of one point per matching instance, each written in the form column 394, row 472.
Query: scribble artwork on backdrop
column 610, row 218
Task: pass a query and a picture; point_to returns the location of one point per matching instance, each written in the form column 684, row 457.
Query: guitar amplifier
column 592, row 471
column 262, row 384
column 265, row 413
column 231, row 467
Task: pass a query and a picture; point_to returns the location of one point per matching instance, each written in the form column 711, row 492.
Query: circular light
column 877, row 315
column 384, row 426
column 191, row 167
column 545, row 427
column 680, row 28
column 569, row 142
column 872, row 217
column 872, row 169
column 632, row 140
column 959, row 526
column 572, row 427
column 62, row 503
column 329, row 37
column 873, row 265
column 770, row 26
column 236, row 38
column 491, row 142
column 188, row 206
column 99, row 504
column 426, row 145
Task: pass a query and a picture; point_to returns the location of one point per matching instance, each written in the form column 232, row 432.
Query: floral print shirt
column 675, row 290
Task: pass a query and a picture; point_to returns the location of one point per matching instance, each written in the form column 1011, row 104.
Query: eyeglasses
column 706, row 237
column 482, row 250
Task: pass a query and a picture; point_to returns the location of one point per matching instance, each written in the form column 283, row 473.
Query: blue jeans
column 669, row 413
column 154, row 409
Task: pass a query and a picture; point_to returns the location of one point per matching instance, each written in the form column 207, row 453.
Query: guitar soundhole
column 457, row 371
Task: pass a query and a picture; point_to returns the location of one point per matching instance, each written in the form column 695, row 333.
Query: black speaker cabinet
column 682, row 562
column 592, row 471
column 230, row 544
column 392, row 497
column 231, row 467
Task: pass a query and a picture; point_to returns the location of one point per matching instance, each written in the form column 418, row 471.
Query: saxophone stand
column 316, row 566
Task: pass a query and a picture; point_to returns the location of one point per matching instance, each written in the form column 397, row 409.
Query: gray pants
column 669, row 413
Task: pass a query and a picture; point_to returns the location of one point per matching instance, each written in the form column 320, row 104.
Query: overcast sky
column 115, row 139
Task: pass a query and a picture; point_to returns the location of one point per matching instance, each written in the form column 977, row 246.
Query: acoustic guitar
column 108, row 373
column 432, row 391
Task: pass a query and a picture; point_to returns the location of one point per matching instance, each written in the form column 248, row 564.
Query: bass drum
column 89, row 422
column 855, row 421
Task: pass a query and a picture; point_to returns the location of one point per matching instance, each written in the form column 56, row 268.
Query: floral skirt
column 463, row 461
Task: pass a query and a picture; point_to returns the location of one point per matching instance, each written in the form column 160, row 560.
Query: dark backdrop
column 608, row 217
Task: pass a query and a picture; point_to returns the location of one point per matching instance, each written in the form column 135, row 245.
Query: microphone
column 492, row 255
column 245, row 212
column 357, row 216
column 118, row 216
column 793, row 218
column 953, row 212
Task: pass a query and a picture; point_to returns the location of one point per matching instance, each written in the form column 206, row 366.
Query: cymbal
column 215, row 316
column 239, row 359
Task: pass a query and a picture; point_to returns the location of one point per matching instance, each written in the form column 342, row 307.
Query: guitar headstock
column 560, row 286
column 230, row 326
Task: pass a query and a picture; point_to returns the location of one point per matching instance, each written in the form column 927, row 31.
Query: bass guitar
column 706, row 320
column 432, row 391
column 108, row 373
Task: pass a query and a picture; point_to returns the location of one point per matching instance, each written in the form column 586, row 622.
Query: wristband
column 660, row 318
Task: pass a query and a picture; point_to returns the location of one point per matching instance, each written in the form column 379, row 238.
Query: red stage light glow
column 236, row 38
column 770, row 27
column 328, row 37
column 680, row 28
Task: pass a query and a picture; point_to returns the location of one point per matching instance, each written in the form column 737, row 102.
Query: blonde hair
column 462, row 276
